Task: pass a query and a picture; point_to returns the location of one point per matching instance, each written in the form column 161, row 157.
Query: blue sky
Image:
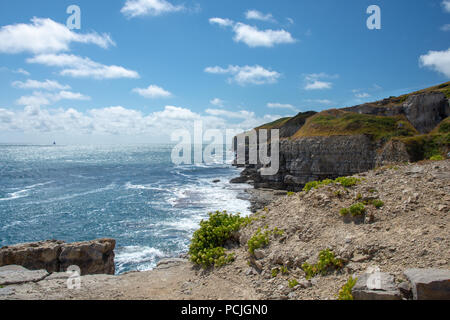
column 138, row 69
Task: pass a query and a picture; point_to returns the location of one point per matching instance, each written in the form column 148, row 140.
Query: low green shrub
column 344, row 212
column 346, row 291
column 290, row 194
column 258, row 240
column 344, row 181
column 275, row 272
column 327, row 261
column 206, row 248
column 377, row 203
column 293, row 283
column 357, row 209
column 284, row 270
column 437, row 157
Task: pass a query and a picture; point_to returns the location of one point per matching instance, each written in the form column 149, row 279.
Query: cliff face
column 344, row 142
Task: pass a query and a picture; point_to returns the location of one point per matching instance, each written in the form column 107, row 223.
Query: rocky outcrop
column 306, row 159
column 425, row 111
column 92, row 257
column 376, row 286
column 429, row 284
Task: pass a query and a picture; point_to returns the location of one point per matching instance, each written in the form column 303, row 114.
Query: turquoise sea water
column 133, row 194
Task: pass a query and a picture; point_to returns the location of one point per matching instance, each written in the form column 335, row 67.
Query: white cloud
column 446, row 5
column 445, row 27
column 247, row 74
column 135, row 8
column 276, row 105
column 362, row 95
column 22, row 71
column 257, row 15
column 252, row 36
column 437, row 60
column 44, row 85
column 122, row 122
column 314, row 81
column 217, row 102
column 39, row 98
column 320, row 101
column 79, row 67
column 221, row 22
column 45, row 36
column 243, row 114
column 153, row 92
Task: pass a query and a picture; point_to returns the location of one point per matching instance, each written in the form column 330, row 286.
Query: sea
column 133, row 193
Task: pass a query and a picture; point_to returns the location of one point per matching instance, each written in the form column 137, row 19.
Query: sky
column 136, row 70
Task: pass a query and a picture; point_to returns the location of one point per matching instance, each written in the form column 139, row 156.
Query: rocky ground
column 411, row 230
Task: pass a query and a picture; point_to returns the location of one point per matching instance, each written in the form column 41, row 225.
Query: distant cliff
column 347, row 141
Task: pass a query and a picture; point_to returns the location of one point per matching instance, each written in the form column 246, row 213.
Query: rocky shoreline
column 403, row 245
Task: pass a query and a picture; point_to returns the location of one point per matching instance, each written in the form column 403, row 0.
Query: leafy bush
column 275, row 272
column 437, row 158
column 346, row 292
column 260, row 239
column 327, row 260
column 293, row 283
column 344, row 212
column 290, row 194
column 377, row 203
column 284, row 270
column 344, row 181
column 206, row 248
column 357, row 209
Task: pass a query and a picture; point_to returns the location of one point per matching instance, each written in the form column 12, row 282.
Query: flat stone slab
column 429, row 284
column 376, row 286
column 13, row 274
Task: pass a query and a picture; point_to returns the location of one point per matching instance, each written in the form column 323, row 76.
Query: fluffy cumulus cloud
column 44, row 85
column 437, row 60
column 276, row 105
column 39, row 98
column 315, row 81
column 45, row 36
column 79, row 67
column 217, row 102
column 257, row 15
column 118, row 120
column 136, row 8
column 153, row 92
column 446, row 5
column 247, row 74
column 254, row 37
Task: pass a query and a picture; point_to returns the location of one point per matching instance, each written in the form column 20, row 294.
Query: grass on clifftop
column 338, row 122
column 428, row 146
column 207, row 246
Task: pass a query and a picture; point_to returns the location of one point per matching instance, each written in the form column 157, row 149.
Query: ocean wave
column 22, row 193
column 130, row 186
column 144, row 257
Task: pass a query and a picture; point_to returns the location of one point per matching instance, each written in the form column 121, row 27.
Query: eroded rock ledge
column 92, row 257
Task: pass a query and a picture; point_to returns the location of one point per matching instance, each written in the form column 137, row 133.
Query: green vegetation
column 358, row 209
column 344, row 181
column 377, row 203
column 327, row 261
column 437, row 158
column 290, row 194
column 275, row 272
column 293, row 283
column 259, row 240
column 207, row 242
column 346, row 292
column 339, row 122
column 284, row 270
column 278, row 232
column 344, row 212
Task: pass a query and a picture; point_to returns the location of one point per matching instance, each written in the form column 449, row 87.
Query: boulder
column 13, row 274
column 92, row 257
column 429, row 284
column 376, row 286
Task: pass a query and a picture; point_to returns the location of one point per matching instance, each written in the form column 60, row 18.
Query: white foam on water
column 145, row 257
column 22, row 193
column 130, row 186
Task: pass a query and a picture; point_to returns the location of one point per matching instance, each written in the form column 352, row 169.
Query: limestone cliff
column 347, row 141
